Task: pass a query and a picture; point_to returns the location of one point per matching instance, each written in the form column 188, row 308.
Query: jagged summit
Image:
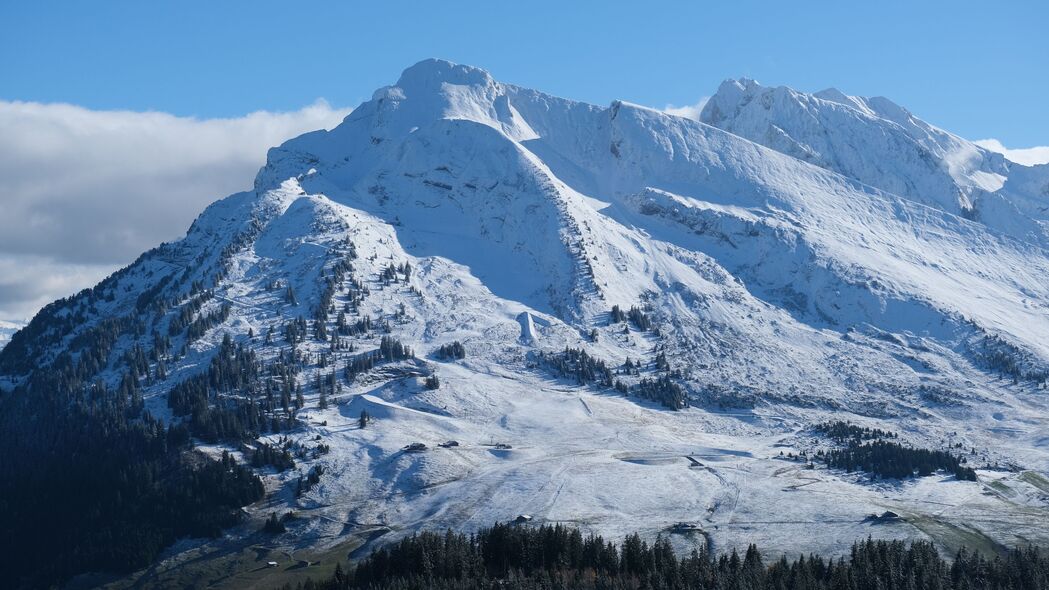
column 875, row 107
column 872, row 140
column 735, row 93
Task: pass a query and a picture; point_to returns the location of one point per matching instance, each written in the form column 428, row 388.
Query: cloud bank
column 687, row 111
column 84, row 192
column 1026, row 156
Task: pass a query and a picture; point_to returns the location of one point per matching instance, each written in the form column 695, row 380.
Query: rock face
column 791, row 259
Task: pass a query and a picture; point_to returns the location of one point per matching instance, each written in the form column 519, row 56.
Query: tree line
column 555, row 557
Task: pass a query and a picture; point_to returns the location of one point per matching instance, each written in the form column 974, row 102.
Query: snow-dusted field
column 609, row 465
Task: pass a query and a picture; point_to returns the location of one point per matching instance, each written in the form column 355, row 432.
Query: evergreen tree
column 274, row 525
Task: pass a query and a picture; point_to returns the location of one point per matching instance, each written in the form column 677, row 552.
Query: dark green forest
column 85, row 488
column 508, row 556
column 89, row 479
column 888, row 459
column 874, row 451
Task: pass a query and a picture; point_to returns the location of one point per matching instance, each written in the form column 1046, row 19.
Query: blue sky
column 979, row 69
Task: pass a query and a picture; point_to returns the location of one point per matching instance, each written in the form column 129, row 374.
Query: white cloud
column 1027, row 156
column 687, row 111
column 29, row 282
column 84, row 192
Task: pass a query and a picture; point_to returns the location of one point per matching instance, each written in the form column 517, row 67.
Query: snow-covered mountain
column 792, row 259
column 7, row 329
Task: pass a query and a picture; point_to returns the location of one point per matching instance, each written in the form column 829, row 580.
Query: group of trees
column 996, row 354
column 872, row 450
column 192, row 321
column 561, row 557
column 390, row 349
column 639, row 319
column 221, row 404
column 345, row 328
column 296, row 331
column 577, row 364
column 274, row 525
column 841, row 431
column 889, row 459
column 636, row 315
column 664, row 390
column 187, row 312
column 392, row 273
column 327, row 388
column 325, row 305
column 305, row 483
column 266, row 454
column 452, row 351
column 206, row 321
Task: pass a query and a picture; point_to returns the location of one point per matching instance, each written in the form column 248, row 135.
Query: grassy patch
column 1001, row 488
column 951, row 537
column 239, row 567
column 1035, row 479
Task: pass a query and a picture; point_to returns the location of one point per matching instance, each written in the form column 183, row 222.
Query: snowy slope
column 784, row 288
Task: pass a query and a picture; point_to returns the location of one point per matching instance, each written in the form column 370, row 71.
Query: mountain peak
column 743, row 83
column 432, row 73
column 854, row 136
column 428, row 93
column 738, row 87
column 833, row 94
